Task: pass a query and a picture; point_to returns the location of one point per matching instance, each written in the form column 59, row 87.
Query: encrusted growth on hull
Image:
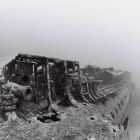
column 54, row 91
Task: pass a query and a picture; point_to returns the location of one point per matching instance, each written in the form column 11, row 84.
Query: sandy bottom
column 134, row 114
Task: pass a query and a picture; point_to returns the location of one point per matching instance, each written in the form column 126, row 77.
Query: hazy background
column 99, row 32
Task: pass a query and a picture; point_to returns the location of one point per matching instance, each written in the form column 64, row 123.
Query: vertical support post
column 33, row 70
column 80, row 84
column 48, row 79
column 36, row 85
column 68, row 94
column 48, row 91
column 66, row 78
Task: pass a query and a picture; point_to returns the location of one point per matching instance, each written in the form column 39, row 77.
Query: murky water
column 134, row 115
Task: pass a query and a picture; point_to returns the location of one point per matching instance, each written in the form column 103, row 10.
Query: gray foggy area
column 102, row 33
column 134, row 113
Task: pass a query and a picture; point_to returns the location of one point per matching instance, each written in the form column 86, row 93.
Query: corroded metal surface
column 88, row 103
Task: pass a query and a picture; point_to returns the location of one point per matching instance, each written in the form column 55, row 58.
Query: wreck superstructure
column 48, row 77
column 50, row 83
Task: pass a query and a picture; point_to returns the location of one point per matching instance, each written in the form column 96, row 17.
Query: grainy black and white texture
column 100, row 33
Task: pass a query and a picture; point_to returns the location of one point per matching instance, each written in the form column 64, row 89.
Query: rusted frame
column 68, row 95
column 44, row 61
column 48, row 85
column 81, row 91
column 35, row 58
